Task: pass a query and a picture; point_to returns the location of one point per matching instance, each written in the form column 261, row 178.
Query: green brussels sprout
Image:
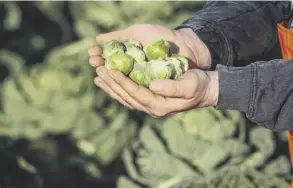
column 158, row 49
column 184, row 61
column 138, row 74
column 136, row 53
column 120, row 61
column 111, row 47
column 177, row 67
column 132, row 43
column 159, row 69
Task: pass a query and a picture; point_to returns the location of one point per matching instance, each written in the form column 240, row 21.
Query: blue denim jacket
column 243, row 41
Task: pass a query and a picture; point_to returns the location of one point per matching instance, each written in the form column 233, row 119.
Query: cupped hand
column 194, row 89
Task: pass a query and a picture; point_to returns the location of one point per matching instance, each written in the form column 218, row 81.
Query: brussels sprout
column 177, row 67
column 120, row 61
column 111, row 47
column 136, row 53
column 158, row 49
column 132, row 43
column 184, row 61
column 138, row 74
column 159, row 69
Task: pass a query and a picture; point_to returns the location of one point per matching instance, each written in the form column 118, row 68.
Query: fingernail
column 97, row 81
column 92, row 60
column 91, row 51
column 95, row 50
column 101, row 72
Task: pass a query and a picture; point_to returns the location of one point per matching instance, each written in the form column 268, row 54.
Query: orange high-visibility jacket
column 286, row 43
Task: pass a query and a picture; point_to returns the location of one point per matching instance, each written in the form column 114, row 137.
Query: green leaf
column 150, row 140
column 12, row 18
column 24, row 164
column 159, row 166
column 124, row 182
column 13, row 61
column 210, row 124
column 85, row 29
column 279, row 166
column 180, row 142
column 88, row 124
column 264, row 141
column 211, row 157
column 62, row 119
column 107, row 143
column 235, row 178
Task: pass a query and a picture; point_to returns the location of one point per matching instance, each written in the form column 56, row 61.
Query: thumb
column 120, row 35
column 168, row 88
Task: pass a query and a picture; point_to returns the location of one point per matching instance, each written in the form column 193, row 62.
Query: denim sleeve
column 262, row 90
column 239, row 32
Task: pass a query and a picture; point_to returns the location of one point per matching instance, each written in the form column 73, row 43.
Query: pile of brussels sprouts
column 144, row 64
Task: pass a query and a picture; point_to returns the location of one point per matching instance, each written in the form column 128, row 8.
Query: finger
column 141, row 94
column 95, row 51
column 96, row 61
column 103, row 74
column 170, row 88
column 100, row 83
column 120, row 35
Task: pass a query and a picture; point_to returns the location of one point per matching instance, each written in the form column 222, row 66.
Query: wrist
column 197, row 46
column 212, row 94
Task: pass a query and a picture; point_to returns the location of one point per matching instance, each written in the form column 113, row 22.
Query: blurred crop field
column 58, row 130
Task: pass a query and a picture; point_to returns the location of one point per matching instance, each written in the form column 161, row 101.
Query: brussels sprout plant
column 144, row 64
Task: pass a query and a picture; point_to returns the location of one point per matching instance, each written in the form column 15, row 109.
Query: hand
column 183, row 42
column 194, row 89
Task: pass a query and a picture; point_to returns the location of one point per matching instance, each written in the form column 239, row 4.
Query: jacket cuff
column 236, row 88
column 217, row 43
